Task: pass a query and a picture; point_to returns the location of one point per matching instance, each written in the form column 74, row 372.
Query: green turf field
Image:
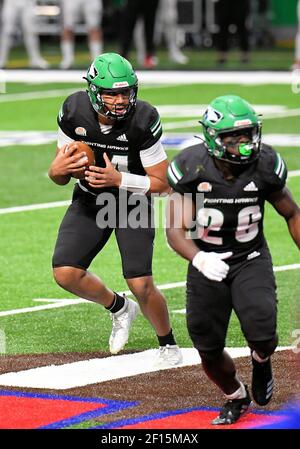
column 28, row 237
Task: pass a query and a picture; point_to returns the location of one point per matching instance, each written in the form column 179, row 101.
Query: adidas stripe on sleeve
column 280, row 168
column 153, row 155
column 174, row 174
column 156, row 128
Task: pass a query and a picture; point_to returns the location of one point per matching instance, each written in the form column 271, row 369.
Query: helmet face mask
column 110, row 75
column 232, row 130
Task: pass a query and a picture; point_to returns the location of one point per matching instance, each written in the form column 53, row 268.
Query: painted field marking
column 54, row 93
column 168, row 77
column 52, row 411
column 92, row 371
column 30, row 207
column 28, row 96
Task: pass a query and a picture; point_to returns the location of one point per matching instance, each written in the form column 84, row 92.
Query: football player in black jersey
column 125, row 135
column 230, row 264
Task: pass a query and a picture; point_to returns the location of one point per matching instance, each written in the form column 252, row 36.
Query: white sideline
column 95, row 371
column 160, row 77
column 58, row 303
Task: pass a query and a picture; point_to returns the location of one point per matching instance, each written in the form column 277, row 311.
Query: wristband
column 135, row 183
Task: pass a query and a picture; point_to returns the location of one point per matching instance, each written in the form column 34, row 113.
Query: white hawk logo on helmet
column 212, row 115
column 93, row 72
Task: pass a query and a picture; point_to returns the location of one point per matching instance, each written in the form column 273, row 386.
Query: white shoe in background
column 168, row 356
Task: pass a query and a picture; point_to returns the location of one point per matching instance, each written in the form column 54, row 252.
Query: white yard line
column 95, row 371
column 57, row 303
column 54, row 93
column 28, row 96
column 30, row 207
column 294, row 173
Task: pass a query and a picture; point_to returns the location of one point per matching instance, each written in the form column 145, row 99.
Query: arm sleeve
column 153, row 155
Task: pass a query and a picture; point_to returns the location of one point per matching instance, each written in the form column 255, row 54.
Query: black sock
column 117, row 303
column 167, row 339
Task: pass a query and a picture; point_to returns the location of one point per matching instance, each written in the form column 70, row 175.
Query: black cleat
column 233, row 409
column 262, row 381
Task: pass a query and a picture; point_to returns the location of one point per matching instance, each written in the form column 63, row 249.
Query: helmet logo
column 121, row 84
column 93, row 72
column 212, row 115
column 244, row 122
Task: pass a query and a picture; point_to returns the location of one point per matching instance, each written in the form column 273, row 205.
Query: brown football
column 82, row 147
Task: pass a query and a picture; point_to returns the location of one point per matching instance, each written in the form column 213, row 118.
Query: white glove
column 212, row 265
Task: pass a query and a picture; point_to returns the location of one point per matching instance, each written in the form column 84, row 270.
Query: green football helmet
column 111, row 74
column 231, row 116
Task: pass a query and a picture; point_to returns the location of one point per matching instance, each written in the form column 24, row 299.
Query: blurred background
column 162, row 34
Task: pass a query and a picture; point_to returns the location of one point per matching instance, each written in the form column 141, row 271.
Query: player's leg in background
column 255, row 303
column 223, row 10
column 31, row 39
column 149, row 10
column 10, row 12
column 93, row 17
column 169, row 17
column 139, row 41
column 242, row 20
column 130, row 14
column 70, row 10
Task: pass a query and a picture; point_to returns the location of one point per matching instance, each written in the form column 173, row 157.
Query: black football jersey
column 141, row 130
column 230, row 217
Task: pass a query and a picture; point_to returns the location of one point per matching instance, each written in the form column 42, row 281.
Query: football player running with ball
column 230, row 263
column 125, row 135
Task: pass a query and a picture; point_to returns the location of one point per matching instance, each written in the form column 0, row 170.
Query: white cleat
column 121, row 323
column 39, row 64
column 168, row 356
column 178, row 57
column 66, row 64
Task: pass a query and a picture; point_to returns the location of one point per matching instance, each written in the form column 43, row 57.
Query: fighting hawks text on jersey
column 231, row 215
column 123, row 144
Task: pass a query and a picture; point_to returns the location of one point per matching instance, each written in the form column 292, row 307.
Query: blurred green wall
column 284, row 12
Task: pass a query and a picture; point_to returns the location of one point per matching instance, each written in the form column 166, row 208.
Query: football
column 79, row 148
